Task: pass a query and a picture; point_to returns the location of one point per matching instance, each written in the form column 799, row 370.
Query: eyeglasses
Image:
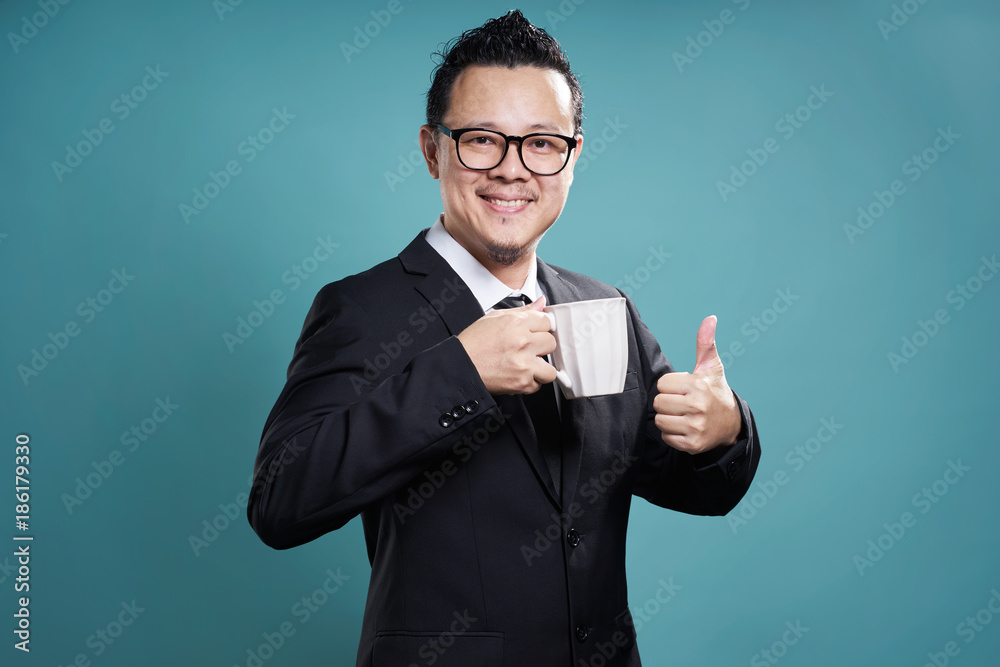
column 482, row 150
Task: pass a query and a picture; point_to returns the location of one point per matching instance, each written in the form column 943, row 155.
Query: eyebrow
column 489, row 125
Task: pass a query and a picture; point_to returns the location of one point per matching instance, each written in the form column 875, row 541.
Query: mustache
column 516, row 192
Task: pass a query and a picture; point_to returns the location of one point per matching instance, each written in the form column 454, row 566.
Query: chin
column 503, row 254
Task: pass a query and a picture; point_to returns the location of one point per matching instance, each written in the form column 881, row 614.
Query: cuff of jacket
column 733, row 460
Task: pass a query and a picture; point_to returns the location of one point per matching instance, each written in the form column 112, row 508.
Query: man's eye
column 482, row 141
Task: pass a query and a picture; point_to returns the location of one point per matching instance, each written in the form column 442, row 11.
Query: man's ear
column 575, row 156
column 429, row 147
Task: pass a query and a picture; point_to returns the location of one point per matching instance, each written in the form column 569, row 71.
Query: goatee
column 504, row 254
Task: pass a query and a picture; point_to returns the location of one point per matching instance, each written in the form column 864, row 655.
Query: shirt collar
column 487, row 288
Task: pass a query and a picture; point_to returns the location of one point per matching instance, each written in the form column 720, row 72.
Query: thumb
column 706, row 354
column 538, row 304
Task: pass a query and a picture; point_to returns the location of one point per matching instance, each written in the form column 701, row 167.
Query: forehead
column 511, row 97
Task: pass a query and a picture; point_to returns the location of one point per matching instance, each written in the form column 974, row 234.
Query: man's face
column 516, row 102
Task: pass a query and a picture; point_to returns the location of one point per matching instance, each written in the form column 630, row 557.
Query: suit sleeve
column 710, row 483
column 332, row 444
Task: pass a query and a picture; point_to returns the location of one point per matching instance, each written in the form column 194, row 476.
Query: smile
column 506, row 205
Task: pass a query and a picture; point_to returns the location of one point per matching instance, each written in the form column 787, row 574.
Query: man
column 494, row 510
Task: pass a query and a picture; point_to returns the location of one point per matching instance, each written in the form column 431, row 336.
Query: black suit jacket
column 476, row 561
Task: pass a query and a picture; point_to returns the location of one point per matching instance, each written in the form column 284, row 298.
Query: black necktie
column 542, row 408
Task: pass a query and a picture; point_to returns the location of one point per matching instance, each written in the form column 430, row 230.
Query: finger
column 539, row 343
column 674, row 383
column 672, row 425
column 671, row 404
column 706, row 354
column 543, row 371
column 537, row 304
column 543, row 343
column 537, row 320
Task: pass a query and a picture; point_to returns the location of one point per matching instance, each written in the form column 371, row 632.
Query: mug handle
column 562, row 377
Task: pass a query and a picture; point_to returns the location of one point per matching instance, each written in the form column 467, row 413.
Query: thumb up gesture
column 697, row 411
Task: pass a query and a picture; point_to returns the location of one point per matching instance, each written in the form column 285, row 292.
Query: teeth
column 508, row 204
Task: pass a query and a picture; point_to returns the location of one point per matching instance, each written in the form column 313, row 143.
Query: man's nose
column 511, row 168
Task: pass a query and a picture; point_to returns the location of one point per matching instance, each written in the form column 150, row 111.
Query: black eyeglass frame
column 455, row 134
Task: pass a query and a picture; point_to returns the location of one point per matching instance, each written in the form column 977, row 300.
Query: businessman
column 420, row 396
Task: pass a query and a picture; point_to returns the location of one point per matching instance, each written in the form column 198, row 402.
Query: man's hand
column 697, row 411
column 505, row 346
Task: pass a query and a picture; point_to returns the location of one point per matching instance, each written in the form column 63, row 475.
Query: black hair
column 508, row 41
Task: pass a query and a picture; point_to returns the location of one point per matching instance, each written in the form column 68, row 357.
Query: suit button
column 446, row 420
column 582, row 632
column 471, row 407
column 573, row 538
column 458, row 412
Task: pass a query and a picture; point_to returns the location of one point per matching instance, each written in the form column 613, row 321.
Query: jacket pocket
column 442, row 649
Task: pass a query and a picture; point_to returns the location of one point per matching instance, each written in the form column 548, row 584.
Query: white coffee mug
column 591, row 355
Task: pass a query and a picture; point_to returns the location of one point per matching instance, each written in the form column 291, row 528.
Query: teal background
column 654, row 183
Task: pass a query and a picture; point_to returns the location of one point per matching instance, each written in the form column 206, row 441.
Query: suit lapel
column 524, row 431
column 444, row 291
column 574, row 412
